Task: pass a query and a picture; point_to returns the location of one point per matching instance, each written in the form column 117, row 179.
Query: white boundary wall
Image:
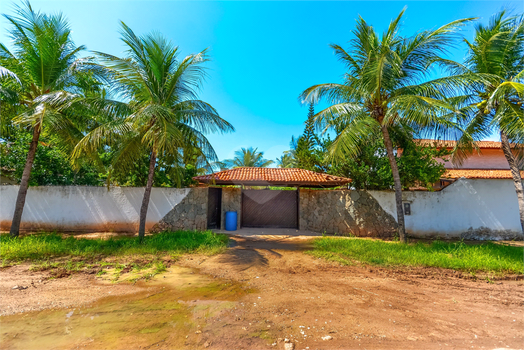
column 87, row 208
column 483, row 209
column 487, row 208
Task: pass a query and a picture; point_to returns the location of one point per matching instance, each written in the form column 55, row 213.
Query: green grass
column 484, row 257
column 51, row 245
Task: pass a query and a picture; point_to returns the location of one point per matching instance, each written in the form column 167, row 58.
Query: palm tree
column 248, row 157
column 286, row 160
column 38, row 84
column 497, row 52
column 162, row 116
column 384, row 90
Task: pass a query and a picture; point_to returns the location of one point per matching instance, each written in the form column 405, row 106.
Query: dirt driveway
column 316, row 304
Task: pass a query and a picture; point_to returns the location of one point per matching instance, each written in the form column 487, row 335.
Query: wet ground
column 256, row 295
column 168, row 312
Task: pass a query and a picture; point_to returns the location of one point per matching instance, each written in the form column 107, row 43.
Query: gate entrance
column 214, row 206
column 270, row 208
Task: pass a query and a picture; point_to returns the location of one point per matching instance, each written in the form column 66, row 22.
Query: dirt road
column 316, row 304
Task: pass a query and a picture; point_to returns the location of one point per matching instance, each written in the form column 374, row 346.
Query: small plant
column 396, row 237
column 159, row 267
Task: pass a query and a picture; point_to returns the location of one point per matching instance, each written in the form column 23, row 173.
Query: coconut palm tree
column 385, row 88
column 286, row 160
column 248, row 157
column 496, row 105
column 160, row 115
column 38, row 84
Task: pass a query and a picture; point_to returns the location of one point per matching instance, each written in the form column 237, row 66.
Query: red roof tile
column 479, row 174
column 451, row 144
column 272, row 176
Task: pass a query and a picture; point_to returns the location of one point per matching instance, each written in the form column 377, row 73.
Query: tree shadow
column 246, row 253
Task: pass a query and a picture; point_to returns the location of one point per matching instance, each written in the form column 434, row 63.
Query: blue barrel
column 231, row 221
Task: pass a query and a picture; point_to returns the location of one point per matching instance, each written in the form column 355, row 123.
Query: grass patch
column 112, row 257
column 484, row 257
column 52, row 245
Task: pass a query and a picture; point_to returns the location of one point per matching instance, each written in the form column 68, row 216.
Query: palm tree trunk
column 515, row 173
column 24, row 183
column 147, row 195
column 398, row 185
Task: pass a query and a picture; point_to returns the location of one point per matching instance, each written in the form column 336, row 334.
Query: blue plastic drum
column 231, row 221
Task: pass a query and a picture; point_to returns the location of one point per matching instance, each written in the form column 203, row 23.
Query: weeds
column 485, row 257
column 159, row 267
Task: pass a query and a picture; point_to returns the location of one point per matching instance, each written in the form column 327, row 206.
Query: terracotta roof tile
column 451, row 144
column 479, row 174
column 272, row 176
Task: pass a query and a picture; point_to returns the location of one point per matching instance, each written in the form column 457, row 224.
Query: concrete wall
column 189, row 214
column 472, row 209
column 231, row 201
column 344, row 212
column 468, row 208
column 87, row 209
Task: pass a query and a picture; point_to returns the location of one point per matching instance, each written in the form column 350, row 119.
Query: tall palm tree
column 496, row 105
column 38, row 82
column 248, row 157
column 162, row 115
column 384, row 89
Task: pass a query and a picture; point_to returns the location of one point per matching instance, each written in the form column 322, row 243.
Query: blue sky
column 264, row 53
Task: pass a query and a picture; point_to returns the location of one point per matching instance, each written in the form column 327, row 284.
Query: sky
column 263, row 53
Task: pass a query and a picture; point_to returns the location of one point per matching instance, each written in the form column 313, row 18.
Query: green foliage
column 286, row 161
column 50, row 245
column 40, row 88
column 486, row 257
column 371, row 170
column 309, row 154
column 418, row 165
column 163, row 117
column 248, row 157
column 309, row 136
column 135, row 175
column 308, row 150
column 51, row 165
column 385, row 85
column 495, row 101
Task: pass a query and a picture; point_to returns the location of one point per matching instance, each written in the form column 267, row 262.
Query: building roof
column 272, row 176
column 479, row 174
column 451, row 144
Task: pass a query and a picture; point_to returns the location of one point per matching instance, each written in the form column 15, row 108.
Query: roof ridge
column 482, row 144
column 281, row 176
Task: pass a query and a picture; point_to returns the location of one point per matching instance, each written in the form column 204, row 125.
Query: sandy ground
column 42, row 293
column 307, row 300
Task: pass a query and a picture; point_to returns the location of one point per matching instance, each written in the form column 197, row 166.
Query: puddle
column 161, row 317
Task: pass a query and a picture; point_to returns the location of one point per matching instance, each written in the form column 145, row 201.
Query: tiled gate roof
column 272, row 176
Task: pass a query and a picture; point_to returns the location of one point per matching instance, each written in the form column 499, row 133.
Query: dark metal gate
column 270, row 208
column 214, row 206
